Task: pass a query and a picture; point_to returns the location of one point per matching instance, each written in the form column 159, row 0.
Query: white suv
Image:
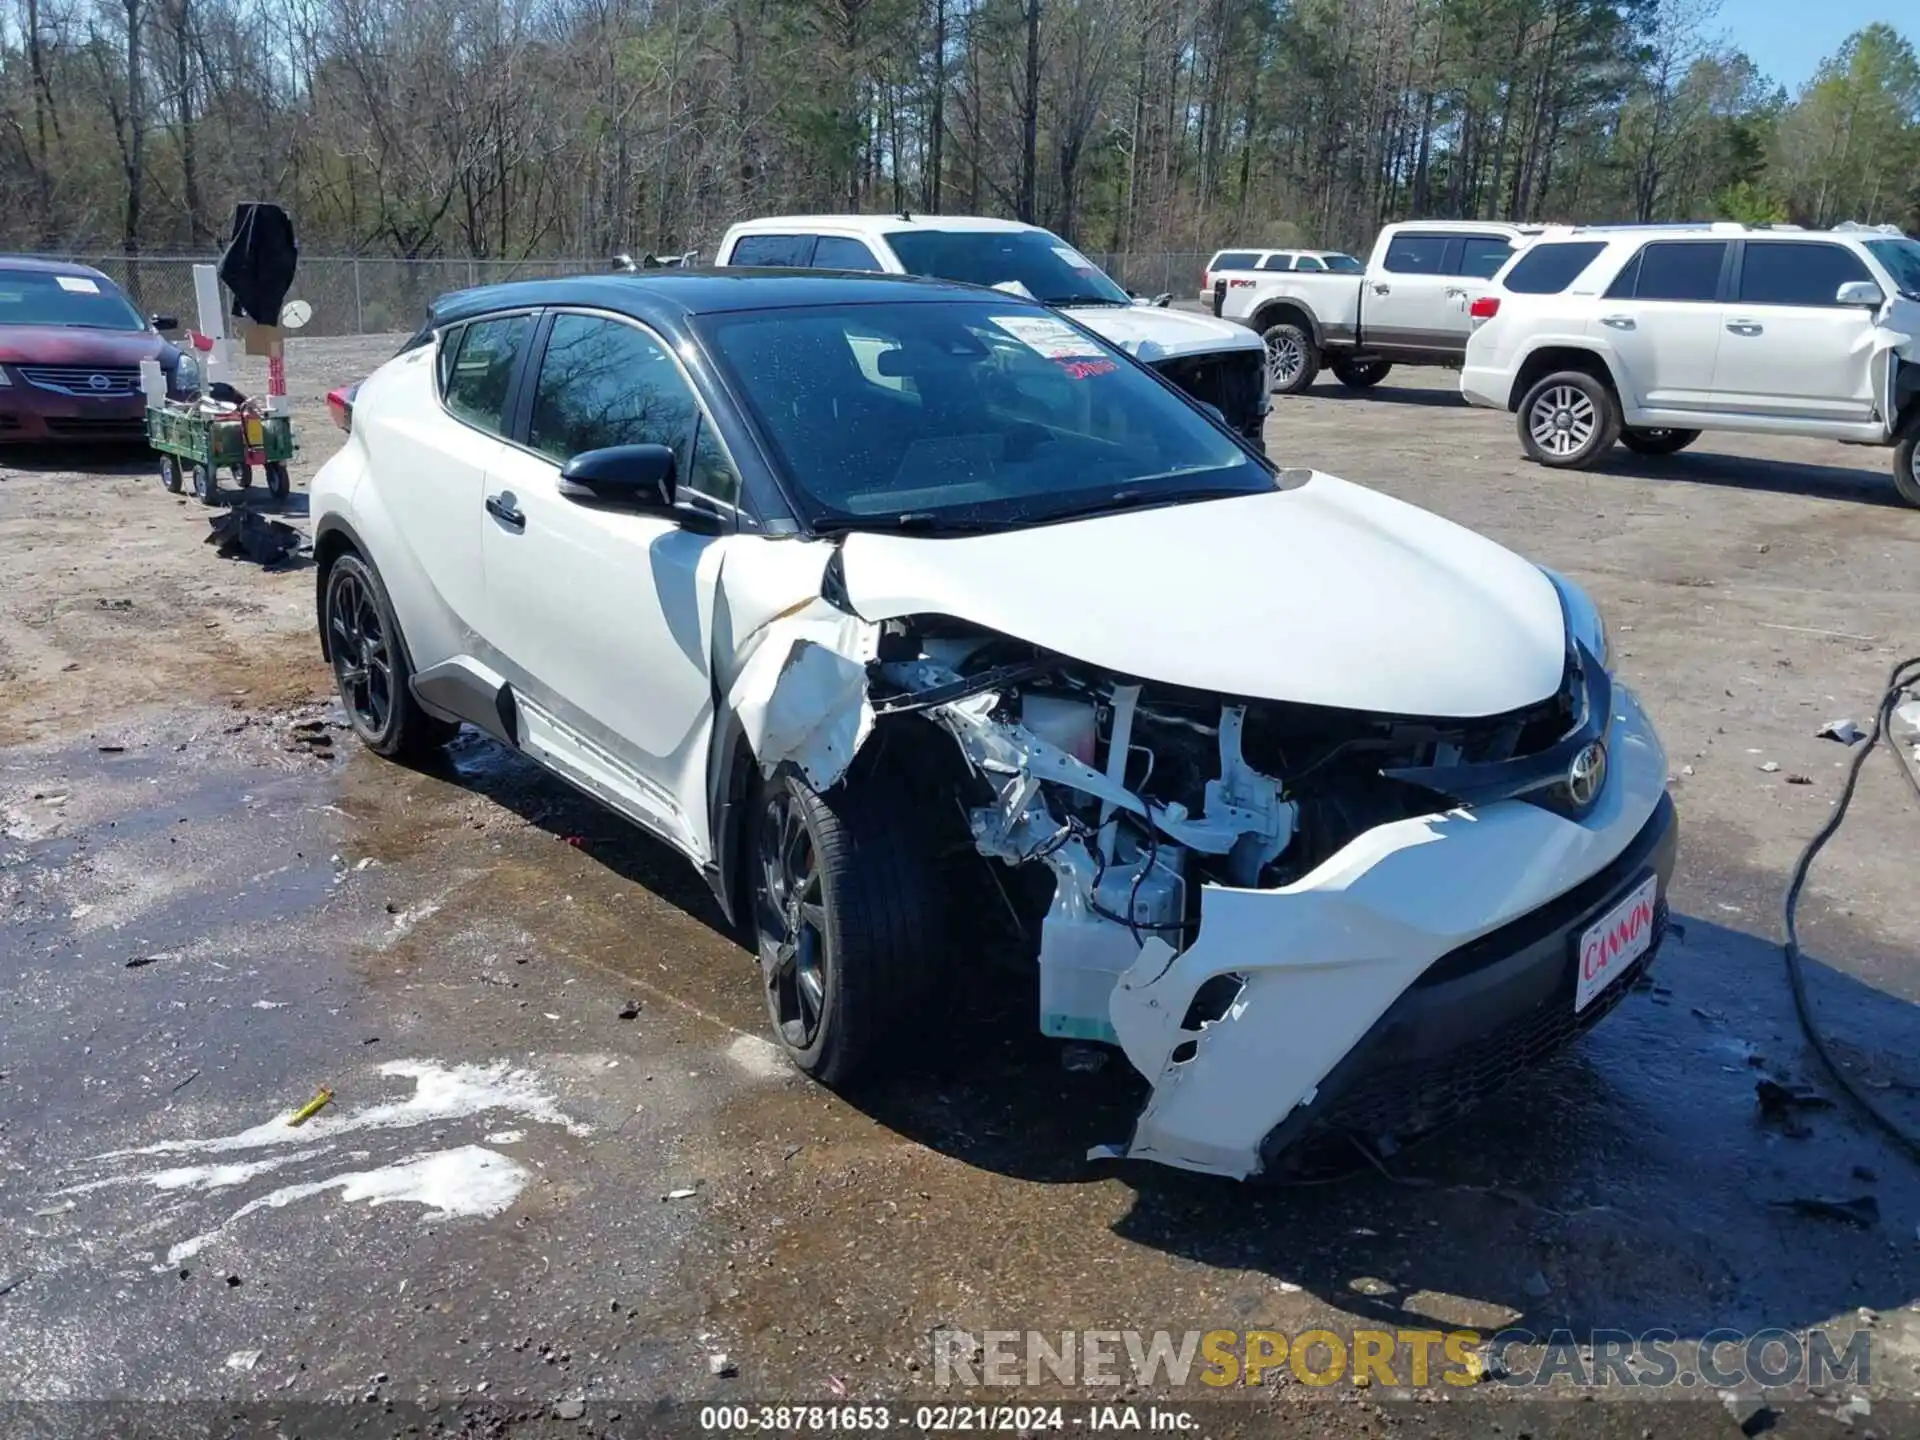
column 1651, row 335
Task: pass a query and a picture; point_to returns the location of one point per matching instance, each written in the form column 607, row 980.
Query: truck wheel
column 1906, row 465
column 1657, row 441
column 1292, row 359
column 1360, row 374
column 1569, row 420
column 845, row 916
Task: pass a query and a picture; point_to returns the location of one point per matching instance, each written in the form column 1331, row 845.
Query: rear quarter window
column 775, row 250
column 1235, row 260
column 1550, row 269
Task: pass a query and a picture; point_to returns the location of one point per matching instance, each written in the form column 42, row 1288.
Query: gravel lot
column 205, row 918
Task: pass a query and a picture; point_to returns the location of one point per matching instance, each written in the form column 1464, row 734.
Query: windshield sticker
column 1074, row 259
column 1052, row 338
column 78, row 284
column 1087, row 369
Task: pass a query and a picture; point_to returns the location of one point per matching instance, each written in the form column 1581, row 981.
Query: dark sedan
column 71, row 344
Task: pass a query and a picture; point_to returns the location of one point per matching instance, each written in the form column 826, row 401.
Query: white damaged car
column 906, row 610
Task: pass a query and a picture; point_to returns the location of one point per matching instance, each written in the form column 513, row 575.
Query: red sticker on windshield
column 1086, row 369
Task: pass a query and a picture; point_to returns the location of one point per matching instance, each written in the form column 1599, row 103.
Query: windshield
column 35, row 297
column 1050, row 270
column 1345, row 264
column 966, row 414
column 1902, row 261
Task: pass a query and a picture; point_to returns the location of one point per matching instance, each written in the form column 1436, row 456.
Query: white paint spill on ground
column 506, row 1137
column 761, row 1059
column 198, row 1177
column 470, row 1180
column 440, row 1093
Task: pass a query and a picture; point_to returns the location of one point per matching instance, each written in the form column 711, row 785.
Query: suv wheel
column 1569, row 420
column 1292, row 359
column 845, row 919
column 1655, row 441
column 1906, row 465
column 1360, row 374
column 371, row 668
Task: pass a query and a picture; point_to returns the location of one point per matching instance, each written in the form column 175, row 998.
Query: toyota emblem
column 1587, row 776
column 99, row 382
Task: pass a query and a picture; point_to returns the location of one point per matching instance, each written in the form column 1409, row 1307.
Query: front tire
column 845, row 922
column 277, row 482
column 1293, row 360
column 205, row 488
column 1657, row 441
column 371, row 668
column 1906, row 465
column 1569, row 420
column 170, row 475
column 1360, row 374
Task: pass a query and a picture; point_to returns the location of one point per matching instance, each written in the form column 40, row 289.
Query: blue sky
column 1788, row 39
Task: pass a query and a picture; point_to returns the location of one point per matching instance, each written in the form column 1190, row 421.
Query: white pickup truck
column 1217, row 363
column 1412, row 306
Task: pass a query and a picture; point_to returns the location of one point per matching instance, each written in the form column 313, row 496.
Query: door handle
column 1380, row 289
column 502, row 509
column 1455, row 292
column 1744, row 327
column 1618, row 322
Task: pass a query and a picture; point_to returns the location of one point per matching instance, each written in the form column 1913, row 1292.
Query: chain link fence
column 364, row 296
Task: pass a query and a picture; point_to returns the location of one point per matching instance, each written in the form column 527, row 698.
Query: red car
column 71, row 344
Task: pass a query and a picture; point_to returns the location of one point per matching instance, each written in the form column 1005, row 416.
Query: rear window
column 1345, row 264
column 1483, row 255
column 778, row 250
column 1277, row 262
column 481, row 376
column 836, row 252
column 1672, row 270
column 1417, row 254
column 1235, row 260
column 1549, row 269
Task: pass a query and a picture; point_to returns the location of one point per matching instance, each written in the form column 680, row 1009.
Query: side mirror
column 164, row 322
column 1860, row 292
column 1163, row 299
column 640, row 477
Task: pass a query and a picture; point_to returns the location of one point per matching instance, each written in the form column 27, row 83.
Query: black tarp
column 259, row 264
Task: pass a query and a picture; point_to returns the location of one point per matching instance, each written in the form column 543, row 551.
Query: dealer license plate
column 1612, row 943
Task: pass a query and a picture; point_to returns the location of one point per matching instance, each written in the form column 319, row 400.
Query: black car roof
column 668, row 294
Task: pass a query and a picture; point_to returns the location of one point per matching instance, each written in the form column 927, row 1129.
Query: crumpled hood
column 76, row 345
column 1323, row 594
column 1154, row 332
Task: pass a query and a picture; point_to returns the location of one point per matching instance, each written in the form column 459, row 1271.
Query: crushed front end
column 1302, row 925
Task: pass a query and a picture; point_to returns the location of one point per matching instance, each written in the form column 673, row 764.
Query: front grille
column 75, row 429
column 1233, row 383
column 86, row 380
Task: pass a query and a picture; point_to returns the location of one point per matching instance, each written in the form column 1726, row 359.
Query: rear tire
column 371, row 667
column 277, row 482
column 1293, row 360
column 205, row 487
column 1657, row 441
column 1568, row 421
column 170, row 475
column 244, row 475
column 1906, row 465
column 846, row 922
column 1360, row 374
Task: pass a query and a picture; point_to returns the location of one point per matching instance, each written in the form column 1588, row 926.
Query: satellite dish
column 294, row 314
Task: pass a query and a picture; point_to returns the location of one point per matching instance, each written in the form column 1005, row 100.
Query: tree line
column 521, row 128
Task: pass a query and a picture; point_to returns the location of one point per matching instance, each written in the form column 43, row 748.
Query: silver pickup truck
column 1411, row 306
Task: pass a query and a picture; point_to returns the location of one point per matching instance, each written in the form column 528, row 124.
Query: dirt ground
column 207, row 912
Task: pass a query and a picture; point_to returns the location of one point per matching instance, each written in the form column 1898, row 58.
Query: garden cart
column 199, row 438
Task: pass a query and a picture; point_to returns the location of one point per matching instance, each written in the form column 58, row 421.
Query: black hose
column 1897, row 681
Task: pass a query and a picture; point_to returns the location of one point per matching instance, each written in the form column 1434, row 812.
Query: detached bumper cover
column 1326, row 960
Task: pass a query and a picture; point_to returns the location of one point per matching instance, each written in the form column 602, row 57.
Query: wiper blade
column 1123, row 500
column 1065, row 300
column 918, row 522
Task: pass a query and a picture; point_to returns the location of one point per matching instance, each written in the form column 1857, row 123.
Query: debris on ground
column 1843, row 730
column 13, row 1283
column 246, row 532
column 1771, row 766
column 140, row 962
column 837, row 1386
column 569, row 1409
column 721, row 1368
column 630, row 1010
column 1906, row 720
column 244, row 1359
column 1083, row 1059
column 679, row 1194
column 1862, row 1210
column 1778, row 1100
column 1752, row 1414
column 312, row 1108
column 1799, row 780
